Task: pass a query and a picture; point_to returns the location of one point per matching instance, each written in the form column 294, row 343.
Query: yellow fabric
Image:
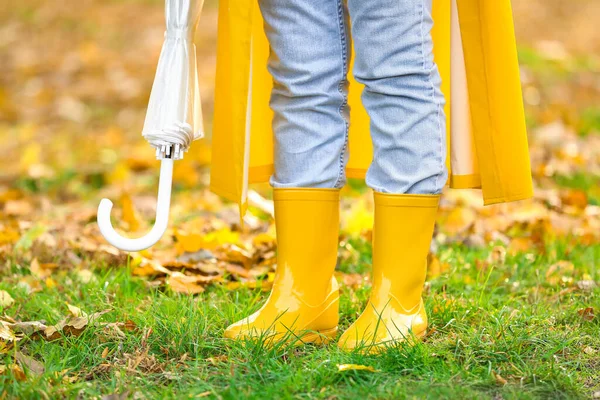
column 243, row 138
column 305, row 295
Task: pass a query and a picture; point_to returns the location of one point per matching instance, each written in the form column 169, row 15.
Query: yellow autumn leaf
column 5, row 299
column 355, row 367
column 129, row 212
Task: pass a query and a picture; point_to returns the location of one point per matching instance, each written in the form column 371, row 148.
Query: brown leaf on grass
column 5, row 299
column 236, row 270
column 499, row 379
column 235, row 254
column 18, row 372
column 217, row 359
column 207, row 268
column 150, row 268
column 34, row 366
column 75, row 311
column 587, row 314
column 181, row 283
column 129, row 325
column 71, row 326
column 6, row 334
column 29, row 328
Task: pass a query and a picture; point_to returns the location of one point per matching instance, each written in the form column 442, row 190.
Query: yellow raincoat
column 486, row 124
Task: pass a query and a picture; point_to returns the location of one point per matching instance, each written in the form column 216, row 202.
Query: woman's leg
column 394, row 59
column 402, row 95
column 309, row 64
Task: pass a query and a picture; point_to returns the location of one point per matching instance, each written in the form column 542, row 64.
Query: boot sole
column 319, row 337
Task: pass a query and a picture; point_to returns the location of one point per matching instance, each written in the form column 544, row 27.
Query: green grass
column 506, row 320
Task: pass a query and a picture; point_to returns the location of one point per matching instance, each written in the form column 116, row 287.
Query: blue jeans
column 310, row 44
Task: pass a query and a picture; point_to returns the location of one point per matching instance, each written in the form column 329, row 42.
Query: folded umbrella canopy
column 174, row 116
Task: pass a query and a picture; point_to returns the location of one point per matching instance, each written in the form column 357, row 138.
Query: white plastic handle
column 162, row 215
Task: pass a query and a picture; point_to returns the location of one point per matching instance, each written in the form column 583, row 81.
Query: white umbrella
column 174, row 116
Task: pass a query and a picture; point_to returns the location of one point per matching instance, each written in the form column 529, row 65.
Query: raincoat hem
column 508, row 199
column 471, row 181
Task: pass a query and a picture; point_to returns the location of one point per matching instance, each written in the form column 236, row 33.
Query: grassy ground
column 502, row 331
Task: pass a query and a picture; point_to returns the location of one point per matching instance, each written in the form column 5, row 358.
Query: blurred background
column 74, row 85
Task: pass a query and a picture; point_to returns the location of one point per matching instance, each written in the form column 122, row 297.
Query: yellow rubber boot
column 401, row 238
column 303, row 304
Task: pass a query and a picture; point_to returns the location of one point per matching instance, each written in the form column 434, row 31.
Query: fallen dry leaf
column 71, row 326
column 76, row 311
column 6, row 334
column 181, row 283
column 355, row 367
column 217, row 359
column 587, row 314
column 5, row 299
column 28, row 328
column 235, row 254
column 499, row 379
column 18, row 372
column 129, row 212
column 34, row 366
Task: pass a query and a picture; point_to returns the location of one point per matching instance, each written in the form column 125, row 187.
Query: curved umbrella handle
column 162, row 215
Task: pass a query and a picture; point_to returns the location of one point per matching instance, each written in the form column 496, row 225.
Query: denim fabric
column 310, row 44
